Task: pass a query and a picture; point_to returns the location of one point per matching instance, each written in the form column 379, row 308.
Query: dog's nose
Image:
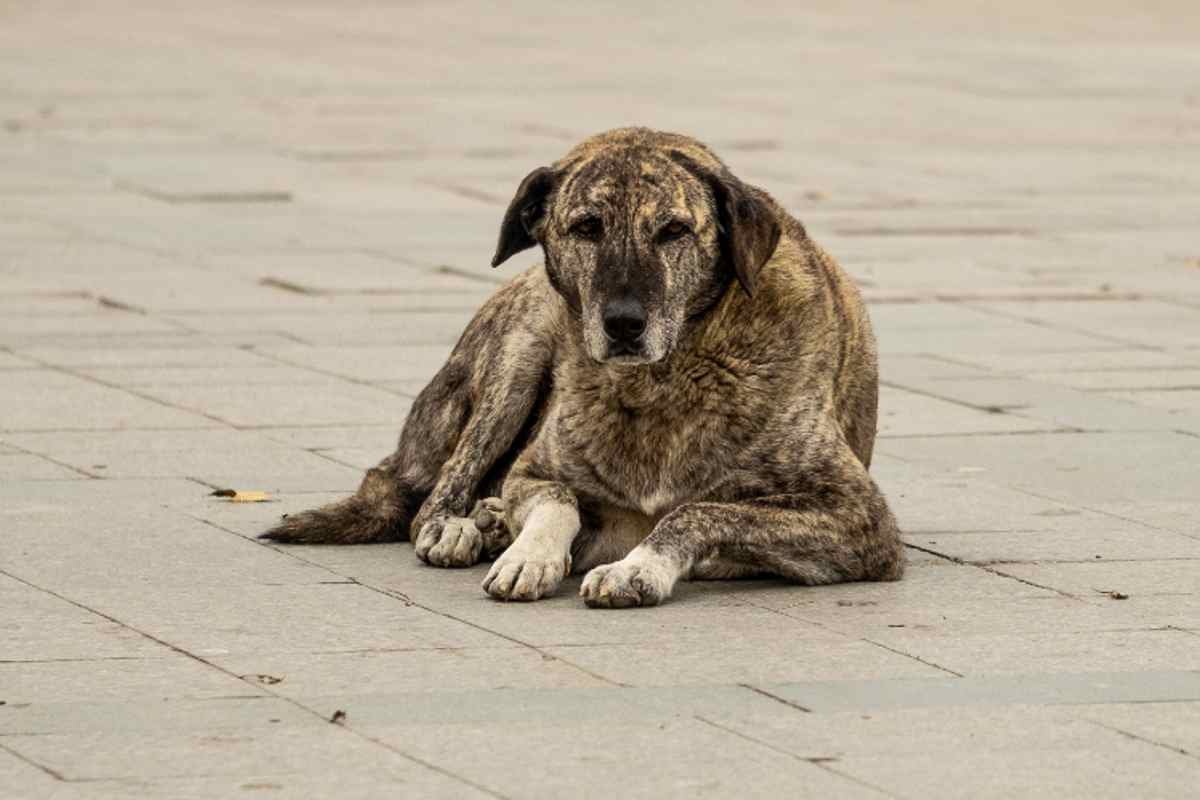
column 624, row 320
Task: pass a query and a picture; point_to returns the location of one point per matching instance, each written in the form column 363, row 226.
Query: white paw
column 449, row 542
column 519, row 575
column 636, row 580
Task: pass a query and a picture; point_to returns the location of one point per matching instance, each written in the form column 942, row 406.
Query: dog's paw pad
column 627, row 583
column 489, row 518
column 521, row 577
column 449, row 542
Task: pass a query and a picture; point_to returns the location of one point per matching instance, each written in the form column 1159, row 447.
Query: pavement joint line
column 821, row 762
column 1106, row 513
column 127, row 390
column 53, row 773
column 1039, row 323
column 1105, row 389
column 981, row 434
column 400, row 596
column 55, row 461
column 1127, row 734
column 987, row 409
column 831, row 629
column 776, row 698
column 985, row 568
column 262, row 689
column 924, row 661
column 327, row 373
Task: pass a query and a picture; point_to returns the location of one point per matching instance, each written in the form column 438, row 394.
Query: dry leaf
column 236, row 496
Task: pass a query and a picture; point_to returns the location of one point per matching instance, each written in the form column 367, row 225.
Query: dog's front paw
column 525, row 576
column 488, row 515
column 449, row 542
column 632, row 581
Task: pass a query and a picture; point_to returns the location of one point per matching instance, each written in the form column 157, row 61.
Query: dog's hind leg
column 459, row 426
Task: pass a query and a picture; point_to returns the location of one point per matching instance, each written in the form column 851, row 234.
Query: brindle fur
column 734, row 442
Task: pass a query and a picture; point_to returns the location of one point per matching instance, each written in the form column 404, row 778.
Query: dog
column 686, row 388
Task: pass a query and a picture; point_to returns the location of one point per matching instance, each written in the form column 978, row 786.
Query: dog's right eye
column 588, row 228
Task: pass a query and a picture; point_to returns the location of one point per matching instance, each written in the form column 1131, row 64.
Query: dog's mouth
column 630, row 354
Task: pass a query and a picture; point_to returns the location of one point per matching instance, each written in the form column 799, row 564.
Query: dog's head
column 641, row 231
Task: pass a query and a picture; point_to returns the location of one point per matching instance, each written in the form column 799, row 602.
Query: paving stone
column 905, row 413
column 288, row 618
column 673, row 758
column 1074, row 468
column 1060, row 406
column 180, row 354
column 368, row 363
column 278, row 750
column 1119, row 770
column 1014, row 654
column 1172, row 725
column 149, row 680
column 8, row 361
column 1023, row 692
column 262, row 373
column 41, row 627
column 382, row 777
column 154, row 715
column 1122, row 544
column 1176, row 401
column 1166, row 577
column 329, row 403
column 222, row 458
column 384, row 671
column 1135, row 382
column 22, row 467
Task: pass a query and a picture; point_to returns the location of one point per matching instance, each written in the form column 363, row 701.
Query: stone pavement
column 235, row 238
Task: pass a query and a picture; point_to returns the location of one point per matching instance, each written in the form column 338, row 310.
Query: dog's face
column 641, row 232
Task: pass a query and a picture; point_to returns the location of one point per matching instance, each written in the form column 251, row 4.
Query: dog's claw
column 449, row 542
column 626, row 583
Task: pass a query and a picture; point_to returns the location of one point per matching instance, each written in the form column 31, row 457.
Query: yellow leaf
column 250, row 497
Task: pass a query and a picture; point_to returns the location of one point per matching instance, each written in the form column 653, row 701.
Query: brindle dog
column 686, row 389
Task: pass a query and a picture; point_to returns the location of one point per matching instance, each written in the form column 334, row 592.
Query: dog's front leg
column 547, row 515
column 832, row 531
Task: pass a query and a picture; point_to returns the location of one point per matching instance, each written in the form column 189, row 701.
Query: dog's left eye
column 588, row 228
column 673, row 230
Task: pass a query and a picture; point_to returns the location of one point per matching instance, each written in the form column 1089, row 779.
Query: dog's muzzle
column 624, row 326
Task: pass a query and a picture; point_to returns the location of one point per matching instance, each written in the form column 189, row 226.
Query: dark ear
column 526, row 208
column 749, row 230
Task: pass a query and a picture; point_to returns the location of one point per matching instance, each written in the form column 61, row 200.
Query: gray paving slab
column 676, row 758
column 1026, row 692
column 1174, row 725
column 1057, row 651
column 1155, row 467
column 47, row 400
column 1151, row 772
column 280, row 404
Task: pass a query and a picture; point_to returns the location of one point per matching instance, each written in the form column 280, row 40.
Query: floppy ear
column 527, row 207
column 749, row 231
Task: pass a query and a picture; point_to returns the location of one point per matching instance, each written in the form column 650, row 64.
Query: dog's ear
column 749, row 231
column 528, row 206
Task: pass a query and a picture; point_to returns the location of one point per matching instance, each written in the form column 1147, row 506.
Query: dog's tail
column 380, row 511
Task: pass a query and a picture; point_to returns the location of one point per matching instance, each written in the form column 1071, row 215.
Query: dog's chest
column 647, row 449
